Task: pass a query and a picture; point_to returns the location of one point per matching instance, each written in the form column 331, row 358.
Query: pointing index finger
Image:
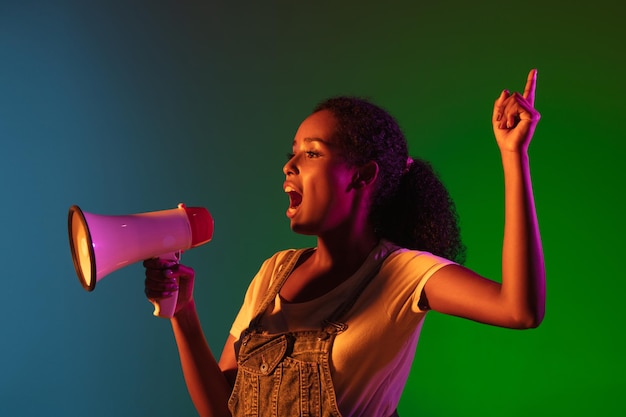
column 531, row 83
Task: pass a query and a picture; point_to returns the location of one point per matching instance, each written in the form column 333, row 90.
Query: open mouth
column 295, row 198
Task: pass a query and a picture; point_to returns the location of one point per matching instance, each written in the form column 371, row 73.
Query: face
column 318, row 180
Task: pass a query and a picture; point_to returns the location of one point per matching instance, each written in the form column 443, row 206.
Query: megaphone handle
column 166, row 307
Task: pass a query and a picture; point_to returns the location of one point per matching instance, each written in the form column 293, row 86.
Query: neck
column 344, row 251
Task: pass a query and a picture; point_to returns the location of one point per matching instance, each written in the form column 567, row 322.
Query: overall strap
column 284, row 269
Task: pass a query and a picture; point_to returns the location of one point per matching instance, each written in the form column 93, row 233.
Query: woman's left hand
column 515, row 118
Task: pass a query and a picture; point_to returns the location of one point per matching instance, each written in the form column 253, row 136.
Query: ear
column 365, row 175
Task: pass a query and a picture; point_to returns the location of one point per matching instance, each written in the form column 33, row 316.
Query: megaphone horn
column 102, row 244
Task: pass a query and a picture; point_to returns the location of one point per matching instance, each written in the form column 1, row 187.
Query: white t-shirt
column 371, row 360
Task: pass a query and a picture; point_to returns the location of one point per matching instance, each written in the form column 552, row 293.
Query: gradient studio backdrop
column 123, row 107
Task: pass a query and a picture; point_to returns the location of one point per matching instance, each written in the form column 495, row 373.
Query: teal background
column 124, row 107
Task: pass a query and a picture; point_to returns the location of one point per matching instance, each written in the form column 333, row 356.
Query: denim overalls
column 288, row 374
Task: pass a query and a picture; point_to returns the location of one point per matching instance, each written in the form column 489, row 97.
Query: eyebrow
column 309, row 140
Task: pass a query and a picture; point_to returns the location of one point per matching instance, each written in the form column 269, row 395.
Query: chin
column 303, row 229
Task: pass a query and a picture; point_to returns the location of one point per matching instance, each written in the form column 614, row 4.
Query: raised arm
column 206, row 383
column 519, row 301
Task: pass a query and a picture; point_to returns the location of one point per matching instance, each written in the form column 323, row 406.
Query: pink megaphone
column 102, row 244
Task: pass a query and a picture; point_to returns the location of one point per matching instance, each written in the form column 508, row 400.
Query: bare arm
column 207, row 385
column 228, row 360
column 519, row 302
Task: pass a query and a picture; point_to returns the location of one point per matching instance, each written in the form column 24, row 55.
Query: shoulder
column 412, row 266
column 403, row 276
column 415, row 258
column 257, row 289
column 269, row 268
column 398, row 257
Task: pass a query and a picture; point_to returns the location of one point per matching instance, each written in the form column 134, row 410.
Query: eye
column 309, row 155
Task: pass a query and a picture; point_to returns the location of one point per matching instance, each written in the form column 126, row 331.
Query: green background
column 125, row 107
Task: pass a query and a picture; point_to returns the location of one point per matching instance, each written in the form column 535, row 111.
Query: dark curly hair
column 410, row 206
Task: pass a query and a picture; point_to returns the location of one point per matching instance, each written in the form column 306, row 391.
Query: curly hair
column 410, row 205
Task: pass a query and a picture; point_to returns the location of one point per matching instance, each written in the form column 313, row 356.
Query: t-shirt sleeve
column 413, row 269
column 437, row 263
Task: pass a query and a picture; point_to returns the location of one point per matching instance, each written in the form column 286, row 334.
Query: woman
column 332, row 330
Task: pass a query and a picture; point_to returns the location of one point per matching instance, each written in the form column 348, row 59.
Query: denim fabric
column 287, row 374
column 284, row 375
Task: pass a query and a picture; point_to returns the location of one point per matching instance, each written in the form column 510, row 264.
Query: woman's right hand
column 164, row 278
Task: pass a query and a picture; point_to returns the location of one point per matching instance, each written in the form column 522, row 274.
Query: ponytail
column 421, row 214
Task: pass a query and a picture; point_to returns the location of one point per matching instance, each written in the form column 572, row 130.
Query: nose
column 290, row 168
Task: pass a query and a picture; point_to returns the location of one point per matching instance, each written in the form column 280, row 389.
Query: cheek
column 339, row 195
column 329, row 187
column 341, row 178
column 335, row 186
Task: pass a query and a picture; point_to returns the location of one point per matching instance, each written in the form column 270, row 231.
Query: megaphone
column 102, row 244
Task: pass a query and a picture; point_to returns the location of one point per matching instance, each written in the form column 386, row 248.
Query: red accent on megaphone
column 201, row 224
